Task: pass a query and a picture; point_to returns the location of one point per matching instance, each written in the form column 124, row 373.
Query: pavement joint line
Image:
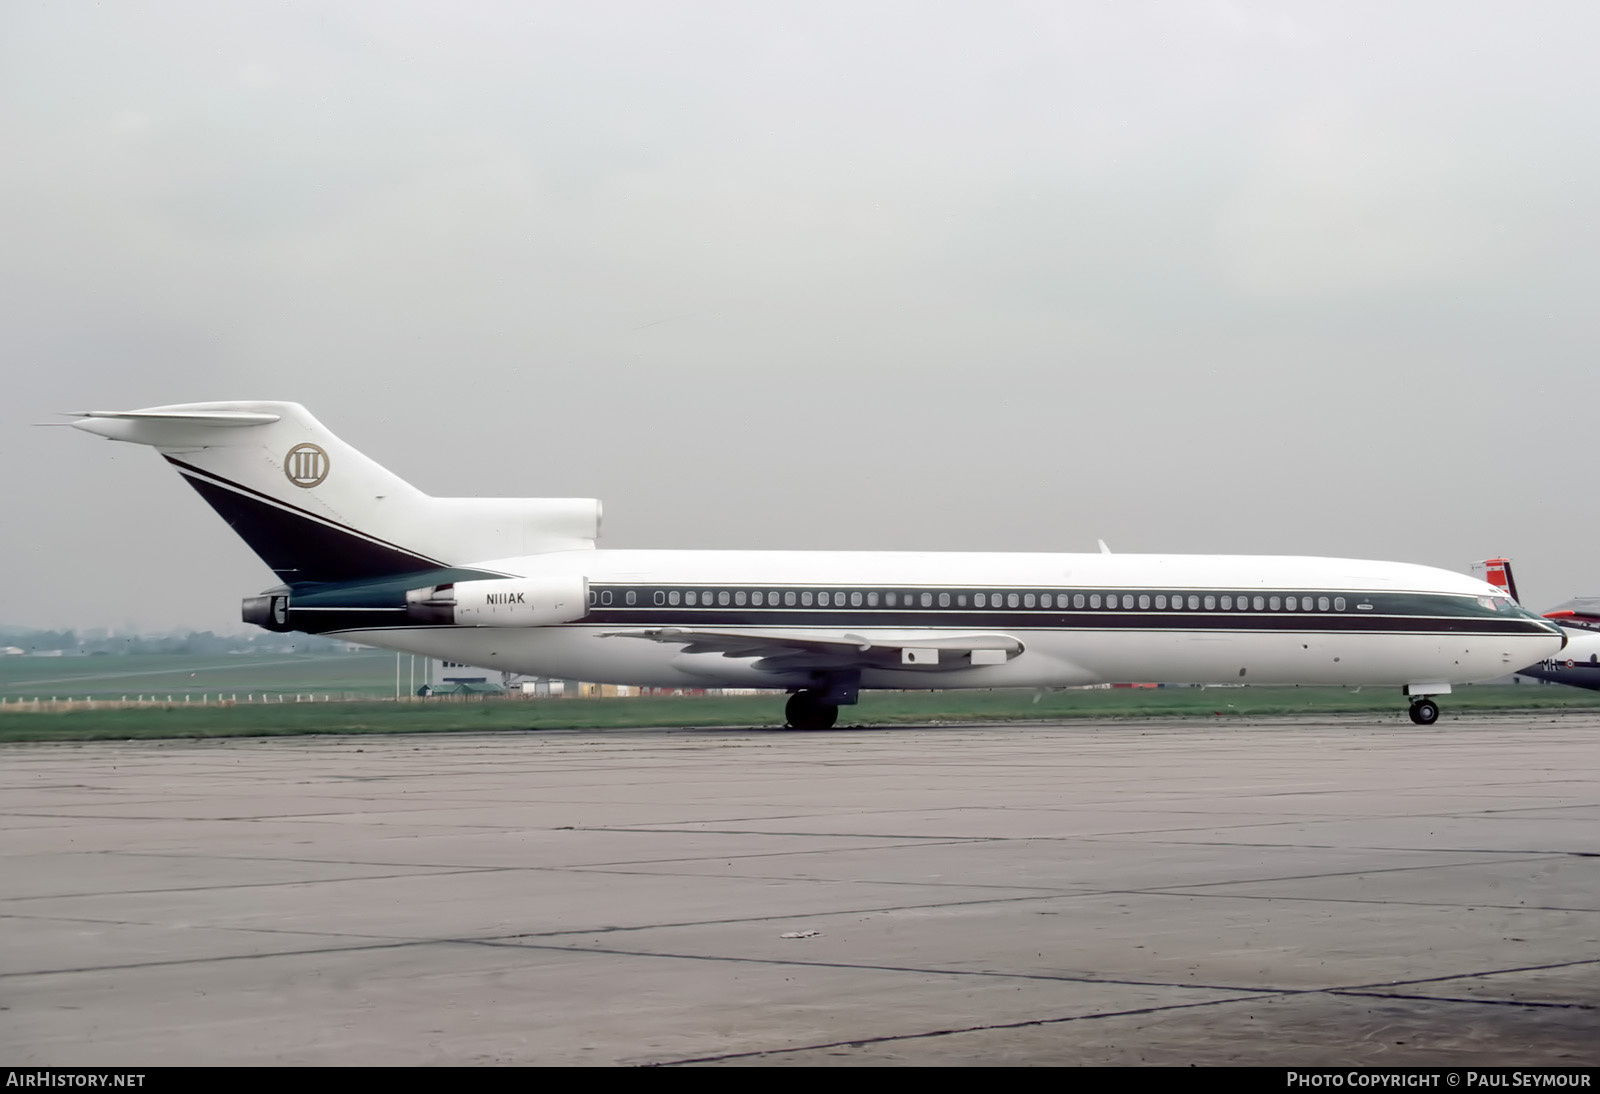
column 886, row 1038
column 1336, row 873
column 1469, row 905
column 858, row 966
column 857, row 1042
column 412, row 872
column 1464, row 999
column 514, row 939
column 1124, row 833
column 1042, row 890
column 176, row 961
column 1356, row 847
column 1471, row 975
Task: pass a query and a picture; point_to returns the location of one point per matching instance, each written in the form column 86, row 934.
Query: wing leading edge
column 790, row 651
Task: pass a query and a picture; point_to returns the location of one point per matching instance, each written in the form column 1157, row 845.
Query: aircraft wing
column 1583, row 611
column 789, row 651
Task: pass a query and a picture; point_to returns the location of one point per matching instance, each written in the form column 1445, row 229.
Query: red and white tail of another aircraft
column 1578, row 663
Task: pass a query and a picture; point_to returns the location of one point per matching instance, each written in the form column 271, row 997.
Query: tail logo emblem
column 306, row 465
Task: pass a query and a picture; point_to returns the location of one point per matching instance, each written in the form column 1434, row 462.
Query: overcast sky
column 1302, row 278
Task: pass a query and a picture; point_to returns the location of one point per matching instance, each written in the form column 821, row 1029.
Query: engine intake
column 270, row 611
column 507, row 602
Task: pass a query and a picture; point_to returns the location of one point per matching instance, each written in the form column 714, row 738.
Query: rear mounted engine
column 269, row 612
column 507, row 602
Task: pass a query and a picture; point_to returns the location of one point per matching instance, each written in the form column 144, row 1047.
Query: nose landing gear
column 1424, row 711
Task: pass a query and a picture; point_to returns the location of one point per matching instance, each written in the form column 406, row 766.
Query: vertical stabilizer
column 1497, row 572
column 317, row 510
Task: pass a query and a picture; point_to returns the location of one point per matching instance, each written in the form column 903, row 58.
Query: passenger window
column 1338, row 603
column 872, row 600
column 927, row 600
column 1094, row 601
column 1194, row 603
column 944, row 600
column 981, row 600
column 788, row 599
column 1260, row 603
column 1272, row 602
column 805, row 599
column 1077, row 600
column 890, row 599
column 691, row 598
column 593, row 598
column 1290, row 604
column 739, row 598
column 673, row 598
column 1161, row 600
column 722, row 598
column 1028, row 601
column 660, row 598
column 1013, row 600
column 1211, row 602
column 1322, row 603
column 629, row 597
column 605, row 597
column 961, row 600
column 823, row 600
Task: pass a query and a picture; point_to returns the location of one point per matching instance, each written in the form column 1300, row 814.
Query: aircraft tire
column 1424, row 712
column 804, row 712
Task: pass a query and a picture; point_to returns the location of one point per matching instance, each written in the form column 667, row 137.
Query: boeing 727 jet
column 520, row 584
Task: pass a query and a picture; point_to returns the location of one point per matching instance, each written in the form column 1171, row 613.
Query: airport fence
column 179, row 700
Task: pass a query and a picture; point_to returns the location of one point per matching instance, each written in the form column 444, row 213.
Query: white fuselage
column 1080, row 619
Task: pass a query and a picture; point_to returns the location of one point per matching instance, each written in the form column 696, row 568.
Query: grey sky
column 1283, row 278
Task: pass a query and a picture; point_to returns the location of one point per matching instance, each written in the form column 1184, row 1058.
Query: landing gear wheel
column 805, row 712
column 1424, row 712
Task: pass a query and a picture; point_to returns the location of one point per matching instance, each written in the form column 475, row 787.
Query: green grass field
column 366, row 673
column 876, row 708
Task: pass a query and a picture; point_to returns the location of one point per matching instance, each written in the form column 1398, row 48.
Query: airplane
column 1578, row 665
column 520, row 584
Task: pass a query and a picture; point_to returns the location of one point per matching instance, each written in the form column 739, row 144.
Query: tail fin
column 316, row 510
column 1497, row 572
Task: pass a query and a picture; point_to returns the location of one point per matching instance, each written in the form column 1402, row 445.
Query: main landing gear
column 818, row 707
column 806, row 710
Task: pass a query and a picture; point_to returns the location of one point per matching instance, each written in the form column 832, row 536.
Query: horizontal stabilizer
column 213, row 417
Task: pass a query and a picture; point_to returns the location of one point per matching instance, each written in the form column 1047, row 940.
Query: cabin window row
column 808, row 598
